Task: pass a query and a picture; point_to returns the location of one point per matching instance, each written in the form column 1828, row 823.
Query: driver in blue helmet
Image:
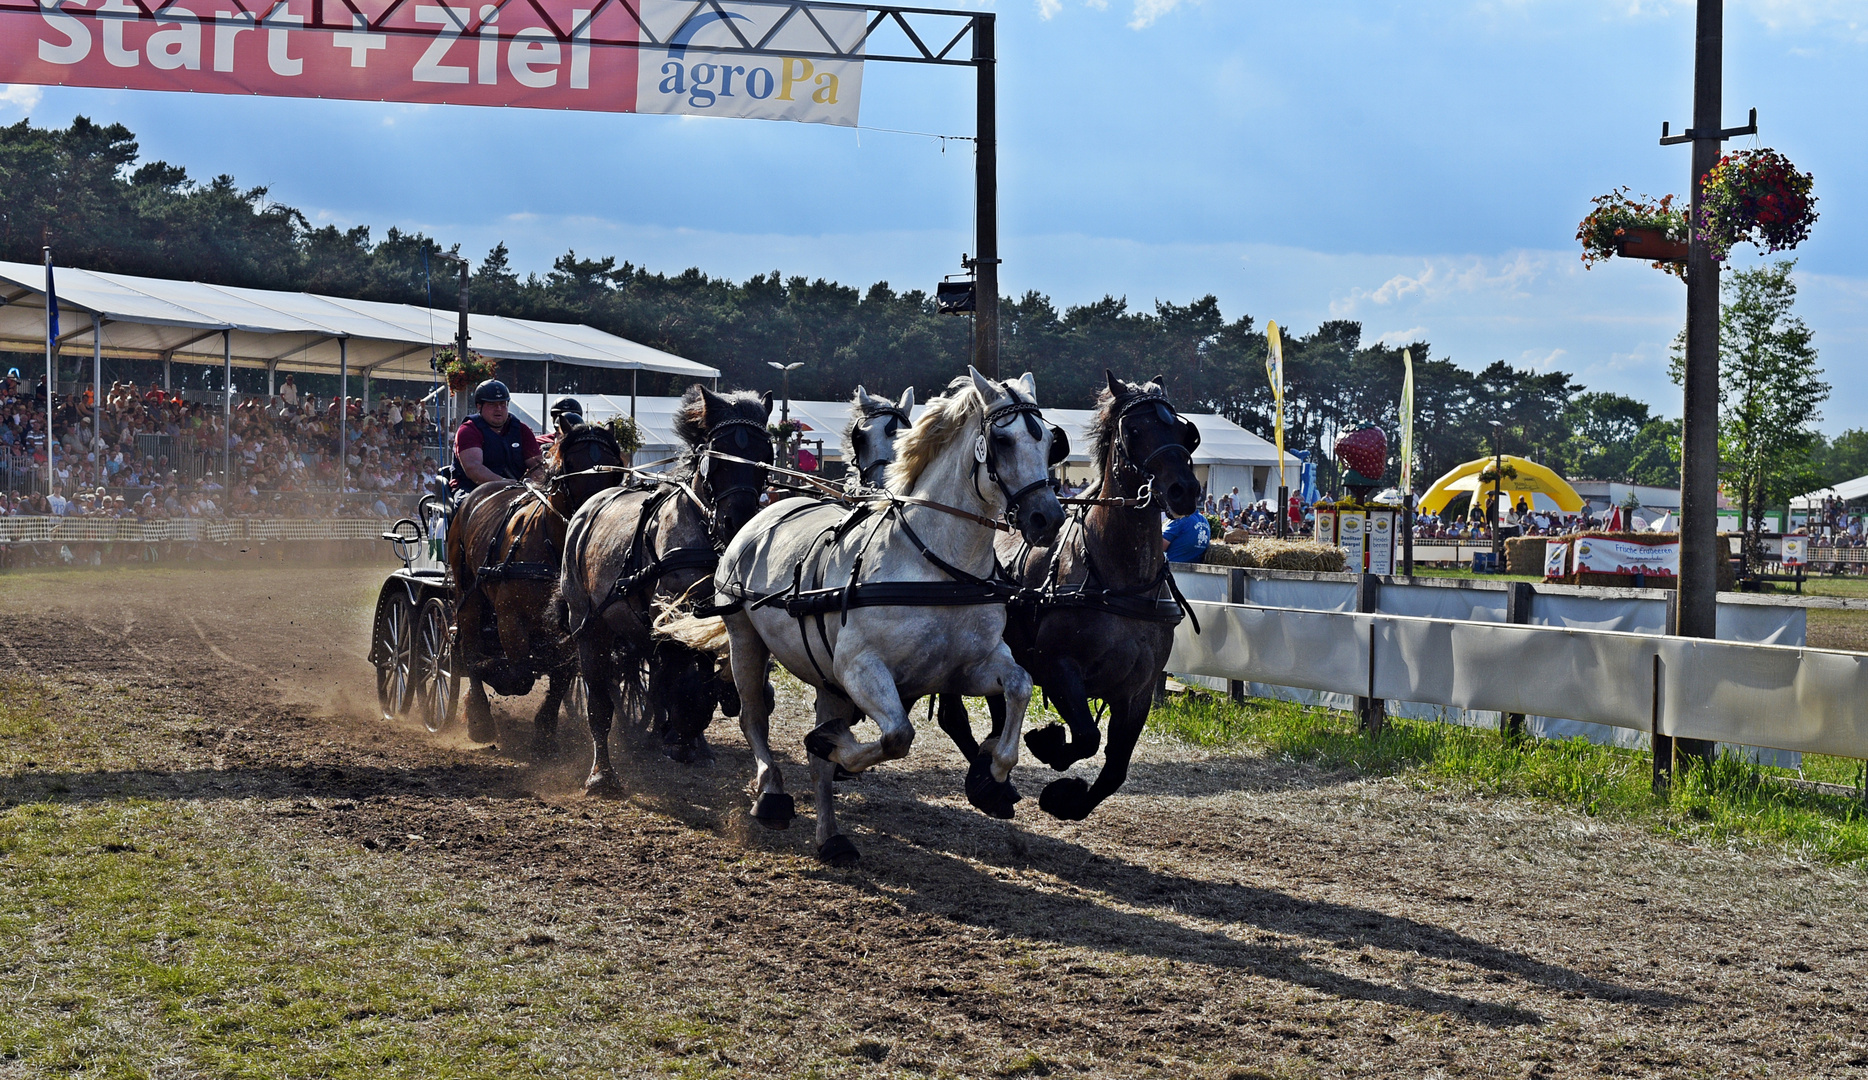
column 492, row 444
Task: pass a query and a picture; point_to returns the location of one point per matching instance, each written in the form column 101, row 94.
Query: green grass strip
column 1732, row 800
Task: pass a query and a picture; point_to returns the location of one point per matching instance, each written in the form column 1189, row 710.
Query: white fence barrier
column 82, row 530
column 1777, row 696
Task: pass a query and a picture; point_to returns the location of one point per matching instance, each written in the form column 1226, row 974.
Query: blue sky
column 1418, row 167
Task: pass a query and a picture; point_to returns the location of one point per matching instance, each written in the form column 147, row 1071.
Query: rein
column 872, row 494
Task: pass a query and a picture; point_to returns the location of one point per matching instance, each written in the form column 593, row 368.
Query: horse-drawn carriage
column 411, row 641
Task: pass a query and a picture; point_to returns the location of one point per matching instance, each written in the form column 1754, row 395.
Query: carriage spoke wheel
column 395, row 672
column 437, row 685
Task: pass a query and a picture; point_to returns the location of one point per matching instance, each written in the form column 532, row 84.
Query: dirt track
column 1224, row 917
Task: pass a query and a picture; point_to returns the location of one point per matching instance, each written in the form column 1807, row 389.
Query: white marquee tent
column 1229, row 456
column 1846, row 491
column 121, row 316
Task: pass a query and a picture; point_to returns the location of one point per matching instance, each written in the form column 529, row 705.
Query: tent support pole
column 166, row 361
column 632, row 393
column 97, row 377
column 343, row 412
column 272, row 373
column 226, row 414
column 546, row 396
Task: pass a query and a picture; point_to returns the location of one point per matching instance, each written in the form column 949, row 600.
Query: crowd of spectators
column 282, row 454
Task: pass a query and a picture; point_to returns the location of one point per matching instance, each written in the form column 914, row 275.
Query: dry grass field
column 216, row 861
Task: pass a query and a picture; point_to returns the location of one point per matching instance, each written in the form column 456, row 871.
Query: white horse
column 926, row 615
column 869, row 437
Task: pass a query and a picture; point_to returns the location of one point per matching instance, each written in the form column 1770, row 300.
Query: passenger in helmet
column 493, row 445
column 566, row 413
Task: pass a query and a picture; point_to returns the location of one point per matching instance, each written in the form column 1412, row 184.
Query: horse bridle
column 1145, row 468
column 1060, row 448
column 897, row 420
column 720, row 494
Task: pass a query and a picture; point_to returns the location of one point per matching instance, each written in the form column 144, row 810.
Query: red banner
column 543, row 54
column 535, row 55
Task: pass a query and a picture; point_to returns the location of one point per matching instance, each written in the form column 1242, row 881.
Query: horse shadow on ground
column 947, row 885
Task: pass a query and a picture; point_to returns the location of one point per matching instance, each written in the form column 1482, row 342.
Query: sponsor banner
column 543, row 54
column 1381, row 542
column 1556, row 560
column 1323, row 530
column 1796, row 551
column 1352, row 537
column 1600, row 555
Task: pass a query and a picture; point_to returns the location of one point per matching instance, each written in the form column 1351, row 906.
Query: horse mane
column 1105, row 425
column 947, row 417
column 691, row 422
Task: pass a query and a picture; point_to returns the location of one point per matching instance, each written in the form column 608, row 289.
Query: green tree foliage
column 82, row 190
column 1844, row 458
column 1770, row 394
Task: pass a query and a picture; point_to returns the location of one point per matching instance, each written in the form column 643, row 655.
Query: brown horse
column 639, row 550
column 504, row 547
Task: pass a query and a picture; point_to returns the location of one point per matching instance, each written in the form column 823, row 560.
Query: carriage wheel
column 394, row 673
column 437, row 686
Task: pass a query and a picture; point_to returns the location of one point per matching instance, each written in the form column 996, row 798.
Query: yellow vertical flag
column 1407, row 421
column 1274, row 368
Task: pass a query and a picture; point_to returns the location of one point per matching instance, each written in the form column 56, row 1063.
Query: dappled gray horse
column 634, row 551
column 878, row 604
column 869, row 437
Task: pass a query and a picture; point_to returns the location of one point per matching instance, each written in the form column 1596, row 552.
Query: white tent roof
column 1847, row 491
column 150, row 318
column 1222, row 442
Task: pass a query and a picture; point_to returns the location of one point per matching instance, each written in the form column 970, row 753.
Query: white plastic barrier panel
column 1811, row 700
column 1601, row 678
column 1315, row 650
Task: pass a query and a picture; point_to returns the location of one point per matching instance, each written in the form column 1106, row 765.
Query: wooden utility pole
column 1699, row 442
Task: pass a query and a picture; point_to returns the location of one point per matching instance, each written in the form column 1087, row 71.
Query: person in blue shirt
column 1185, row 539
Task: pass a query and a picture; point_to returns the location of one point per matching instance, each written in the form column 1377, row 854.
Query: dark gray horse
column 1106, row 619
column 869, row 437
column 637, row 551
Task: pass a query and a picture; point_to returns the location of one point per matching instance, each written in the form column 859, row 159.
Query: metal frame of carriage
column 412, row 633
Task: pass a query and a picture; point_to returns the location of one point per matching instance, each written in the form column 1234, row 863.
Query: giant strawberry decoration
column 1365, row 450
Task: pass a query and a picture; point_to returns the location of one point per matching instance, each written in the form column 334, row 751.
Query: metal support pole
column 51, row 376
column 1282, row 512
column 1235, row 594
column 97, row 377
column 1518, row 599
column 1407, row 535
column 167, row 360
column 546, row 396
column 272, row 372
column 632, row 392
column 1699, row 444
column 226, row 411
column 986, row 203
column 1371, row 711
column 343, row 413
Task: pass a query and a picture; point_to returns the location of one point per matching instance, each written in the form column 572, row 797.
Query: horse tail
column 674, row 622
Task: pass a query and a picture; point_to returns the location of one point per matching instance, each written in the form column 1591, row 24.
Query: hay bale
column 1296, row 555
column 1525, row 555
column 1228, row 554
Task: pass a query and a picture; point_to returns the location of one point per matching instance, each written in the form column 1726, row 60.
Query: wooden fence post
column 1371, row 711
column 1235, row 594
column 1518, row 596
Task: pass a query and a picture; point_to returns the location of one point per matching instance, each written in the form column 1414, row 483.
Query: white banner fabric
column 689, row 78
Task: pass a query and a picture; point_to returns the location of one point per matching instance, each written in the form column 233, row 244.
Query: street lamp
column 1498, row 479
column 784, row 416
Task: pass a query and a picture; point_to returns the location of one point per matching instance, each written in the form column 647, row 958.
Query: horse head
column 581, row 448
column 727, row 449
column 1145, row 446
column 869, row 437
column 1016, row 450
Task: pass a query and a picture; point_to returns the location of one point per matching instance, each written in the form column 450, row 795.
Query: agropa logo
column 705, row 82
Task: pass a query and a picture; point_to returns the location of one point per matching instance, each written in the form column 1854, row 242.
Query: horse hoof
column 838, row 851
column 774, row 810
column 603, row 785
column 693, row 751
column 990, row 796
column 818, row 744
column 1047, row 744
column 1067, row 799
column 844, row 774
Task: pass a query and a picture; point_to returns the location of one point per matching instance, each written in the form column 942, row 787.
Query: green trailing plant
column 1755, row 195
column 627, row 434
column 1602, row 232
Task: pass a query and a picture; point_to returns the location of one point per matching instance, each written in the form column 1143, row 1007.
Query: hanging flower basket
column 463, row 376
column 1755, row 195
column 1621, row 225
column 1489, row 474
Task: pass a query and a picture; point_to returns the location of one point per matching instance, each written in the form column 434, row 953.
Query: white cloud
column 21, row 97
column 1048, row 9
column 1402, row 337
column 1147, row 11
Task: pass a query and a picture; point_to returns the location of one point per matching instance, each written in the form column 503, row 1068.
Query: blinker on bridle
column 897, row 420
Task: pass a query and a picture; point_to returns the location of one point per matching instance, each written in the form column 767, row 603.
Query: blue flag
column 51, row 304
